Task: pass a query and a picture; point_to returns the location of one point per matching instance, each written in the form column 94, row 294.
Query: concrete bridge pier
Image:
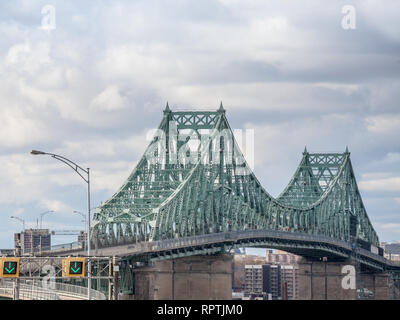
column 379, row 283
column 188, row 278
column 329, row 280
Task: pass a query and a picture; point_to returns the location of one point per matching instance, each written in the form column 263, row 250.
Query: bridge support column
column 323, row 280
column 378, row 283
column 189, row 278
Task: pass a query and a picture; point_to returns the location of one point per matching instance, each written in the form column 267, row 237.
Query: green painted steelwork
column 193, row 180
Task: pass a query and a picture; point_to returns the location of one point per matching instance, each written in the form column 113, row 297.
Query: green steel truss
column 193, row 180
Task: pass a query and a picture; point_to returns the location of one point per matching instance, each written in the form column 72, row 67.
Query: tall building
column 32, row 241
column 280, row 257
column 273, row 280
column 391, row 251
column 238, row 274
column 263, row 280
column 82, row 238
column 6, row 252
column 275, row 275
column 254, row 279
column 289, row 280
column 289, row 271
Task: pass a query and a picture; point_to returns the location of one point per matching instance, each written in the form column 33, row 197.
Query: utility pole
column 359, row 295
column 16, row 289
column 110, row 275
column 116, row 276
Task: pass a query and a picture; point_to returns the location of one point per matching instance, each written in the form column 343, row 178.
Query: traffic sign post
column 9, row 267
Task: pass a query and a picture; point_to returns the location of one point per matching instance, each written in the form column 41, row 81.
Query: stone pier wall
column 189, row 278
column 378, row 283
column 322, row 280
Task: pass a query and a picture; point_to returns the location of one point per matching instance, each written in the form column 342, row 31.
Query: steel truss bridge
column 193, row 193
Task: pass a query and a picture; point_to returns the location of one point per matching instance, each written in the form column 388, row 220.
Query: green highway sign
column 9, row 267
column 75, row 267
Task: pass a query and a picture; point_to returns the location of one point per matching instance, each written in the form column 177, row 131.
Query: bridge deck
column 308, row 245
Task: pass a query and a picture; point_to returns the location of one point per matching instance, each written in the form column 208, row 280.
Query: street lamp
column 41, row 216
column 21, row 220
column 23, row 226
column 82, row 214
column 85, row 175
column 39, row 232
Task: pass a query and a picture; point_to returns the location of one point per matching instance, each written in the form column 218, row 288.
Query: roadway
column 29, row 290
column 307, row 245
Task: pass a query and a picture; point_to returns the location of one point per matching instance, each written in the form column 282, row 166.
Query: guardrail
column 34, row 290
column 27, row 291
column 67, row 246
column 69, row 289
column 234, row 236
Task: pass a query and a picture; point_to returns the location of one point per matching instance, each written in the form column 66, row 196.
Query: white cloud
column 19, row 211
column 17, row 129
column 392, row 157
column 376, row 175
column 384, row 124
column 27, row 178
column 20, row 179
column 105, row 147
column 392, row 227
column 388, row 184
column 55, row 205
column 111, row 177
column 109, row 99
column 266, row 96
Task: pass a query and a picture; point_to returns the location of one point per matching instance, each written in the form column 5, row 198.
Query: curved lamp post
column 85, row 175
column 20, row 220
column 41, row 219
column 82, row 214
column 41, row 216
column 23, row 225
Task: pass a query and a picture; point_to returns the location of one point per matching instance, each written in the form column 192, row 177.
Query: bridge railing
column 79, row 291
column 34, row 290
column 234, row 236
column 67, row 289
column 372, row 255
column 27, row 291
column 67, row 246
column 215, row 238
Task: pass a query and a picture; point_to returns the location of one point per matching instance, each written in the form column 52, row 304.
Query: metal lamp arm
column 71, row 164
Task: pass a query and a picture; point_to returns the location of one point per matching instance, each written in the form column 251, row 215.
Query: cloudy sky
column 92, row 87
